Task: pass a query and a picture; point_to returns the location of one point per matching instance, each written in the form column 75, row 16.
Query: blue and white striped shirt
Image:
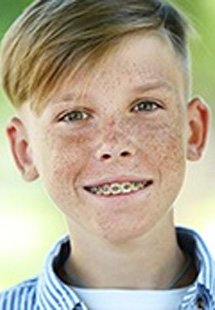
column 48, row 292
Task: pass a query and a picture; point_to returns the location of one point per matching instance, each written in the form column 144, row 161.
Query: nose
column 115, row 142
column 107, row 152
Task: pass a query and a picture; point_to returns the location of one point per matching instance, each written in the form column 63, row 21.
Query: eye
column 74, row 116
column 147, row 106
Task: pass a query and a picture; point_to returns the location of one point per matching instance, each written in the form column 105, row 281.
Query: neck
column 149, row 262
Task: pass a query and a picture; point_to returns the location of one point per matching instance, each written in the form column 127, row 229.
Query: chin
column 118, row 234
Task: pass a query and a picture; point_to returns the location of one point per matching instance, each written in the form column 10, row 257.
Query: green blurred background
column 30, row 224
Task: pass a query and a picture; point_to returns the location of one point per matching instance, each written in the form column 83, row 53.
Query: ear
column 21, row 150
column 198, row 121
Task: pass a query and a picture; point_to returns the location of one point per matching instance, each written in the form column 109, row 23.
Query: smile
column 115, row 189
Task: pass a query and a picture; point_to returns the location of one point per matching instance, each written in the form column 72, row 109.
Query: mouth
column 119, row 188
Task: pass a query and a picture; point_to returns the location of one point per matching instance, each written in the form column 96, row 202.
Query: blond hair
column 53, row 38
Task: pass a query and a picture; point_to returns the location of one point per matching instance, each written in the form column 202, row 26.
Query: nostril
column 106, row 156
column 125, row 153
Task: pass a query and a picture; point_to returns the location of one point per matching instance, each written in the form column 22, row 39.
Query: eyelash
column 146, row 105
column 66, row 116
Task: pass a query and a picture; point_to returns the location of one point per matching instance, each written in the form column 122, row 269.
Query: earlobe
column 21, row 149
column 198, row 121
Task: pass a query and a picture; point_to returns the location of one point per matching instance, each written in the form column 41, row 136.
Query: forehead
column 148, row 59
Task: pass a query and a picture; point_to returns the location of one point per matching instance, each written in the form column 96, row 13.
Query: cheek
column 62, row 157
column 162, row 145
column 61, row 163
column 162, row 142
column 167, row 145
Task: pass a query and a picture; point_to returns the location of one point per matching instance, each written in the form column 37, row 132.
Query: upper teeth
column 117, row 188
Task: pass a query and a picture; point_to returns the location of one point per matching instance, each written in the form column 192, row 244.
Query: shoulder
column 27, row 294
column 20, row 297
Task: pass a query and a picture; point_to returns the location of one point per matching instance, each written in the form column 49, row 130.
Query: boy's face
column 132, row 124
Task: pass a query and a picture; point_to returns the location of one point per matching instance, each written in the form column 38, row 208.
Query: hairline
column 88, row 61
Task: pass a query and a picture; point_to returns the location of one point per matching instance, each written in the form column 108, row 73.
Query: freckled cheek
column 64, row 156
column 162, row 143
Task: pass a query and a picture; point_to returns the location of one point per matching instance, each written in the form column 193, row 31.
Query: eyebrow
column 151, row 85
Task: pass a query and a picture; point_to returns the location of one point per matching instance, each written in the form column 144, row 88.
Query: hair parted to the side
column 53, row 38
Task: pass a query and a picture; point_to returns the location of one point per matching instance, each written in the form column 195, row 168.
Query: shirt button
column 78, row 307
column 200, row 303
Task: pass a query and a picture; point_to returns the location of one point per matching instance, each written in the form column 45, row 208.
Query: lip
column 117, row 179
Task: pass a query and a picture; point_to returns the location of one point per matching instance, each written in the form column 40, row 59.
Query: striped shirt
column 48, row 292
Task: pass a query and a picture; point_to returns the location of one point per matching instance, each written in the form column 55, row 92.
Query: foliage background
column 30, row 224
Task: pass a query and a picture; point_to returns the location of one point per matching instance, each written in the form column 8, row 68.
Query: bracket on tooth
column 116, row 188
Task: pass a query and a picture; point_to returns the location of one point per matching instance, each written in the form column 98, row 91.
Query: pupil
column 74, row 116
column 146, row 105
column 78, row 115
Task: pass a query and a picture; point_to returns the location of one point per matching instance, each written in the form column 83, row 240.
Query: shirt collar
column 52, row 293
column 192, row 243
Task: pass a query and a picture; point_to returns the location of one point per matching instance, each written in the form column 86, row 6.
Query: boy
column 105, row 120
